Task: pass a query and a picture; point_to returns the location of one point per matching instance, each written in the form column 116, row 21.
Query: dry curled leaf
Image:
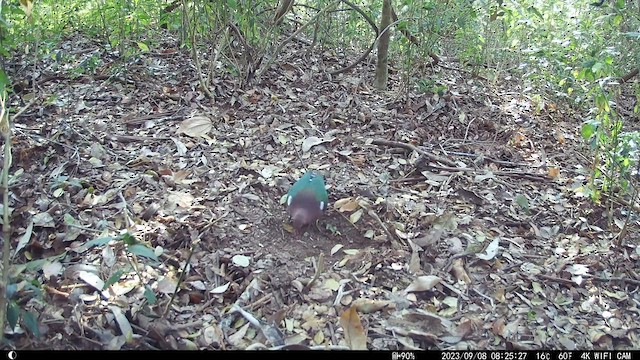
column 167, row 285
column 91, row 279
column 353, row 331
column 182, row 199
column 312, row 141
column 336, row 248
column 423, row 283
column 50, row 269
column 367, row 306
column 236, row 338
column 459, row 272
column 498, row 327
column 220, row 289
column 346, row 204
column 356, row 216
column 499, row 294
column 490, row 251
column 197, row 126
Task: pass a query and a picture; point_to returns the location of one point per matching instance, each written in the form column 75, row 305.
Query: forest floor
column 457, row 220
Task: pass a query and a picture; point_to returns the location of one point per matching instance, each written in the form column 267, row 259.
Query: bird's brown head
column 304, row 210
column 300, row 219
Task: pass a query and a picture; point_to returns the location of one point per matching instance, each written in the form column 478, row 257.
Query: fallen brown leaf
column 353, row 331
column 459, row 272
column 423, row 283
column 367, row 306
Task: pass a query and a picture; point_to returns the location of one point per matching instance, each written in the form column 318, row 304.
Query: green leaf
column 588, row 64
column 150, row 296
column 523, row 202
column 535, row 12
column 99, row 241
column 142, row 250
column 30, row 321
column 95, row 242
column 143, row 46
column 35, row 265
column 11, row 290
column 588, row 129
column 58, row 192
column 34, row 286
column 597, row 67
column 13, row 312
column 114, row 278
column 4, row 80
column 69, row 220
column 129, row 239
column 617, row 20
column 24, row 239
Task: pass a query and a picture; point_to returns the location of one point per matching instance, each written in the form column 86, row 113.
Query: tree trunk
column 383, row 47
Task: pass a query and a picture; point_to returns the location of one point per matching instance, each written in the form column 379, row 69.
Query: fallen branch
column 515, row 174
column 24, row 108
column 556, row 279
column 165, row 116
column 476, row 156
column 452, row 166
column 621, row 279
column 447, row 266
column 413, row 148
column 629, row 75
column 134, row 138
column 392, row 238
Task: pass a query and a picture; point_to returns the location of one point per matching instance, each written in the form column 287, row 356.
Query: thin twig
column 514, row 174
column 24, row 108
column 319, row 271
column 182, row 276
column 392, row 238
column 413, row 148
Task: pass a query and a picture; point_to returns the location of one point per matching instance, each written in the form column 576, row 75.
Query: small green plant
column 133, row 248
column 431, row 87
column 87, row 66
column 18, row 294
column 615, row 160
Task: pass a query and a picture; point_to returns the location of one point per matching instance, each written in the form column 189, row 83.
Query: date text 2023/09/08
column 520, row 355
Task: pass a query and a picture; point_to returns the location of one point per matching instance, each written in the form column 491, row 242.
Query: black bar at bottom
column 371, row 355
